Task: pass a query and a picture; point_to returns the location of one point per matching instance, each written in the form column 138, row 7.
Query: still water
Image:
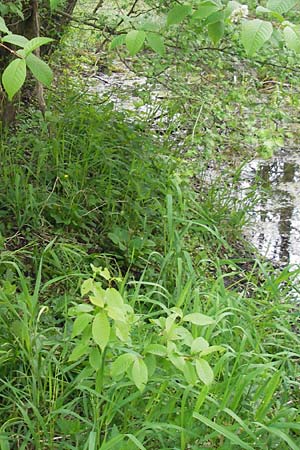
column 275, row 228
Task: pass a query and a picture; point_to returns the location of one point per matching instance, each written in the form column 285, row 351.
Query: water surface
column 275, row 229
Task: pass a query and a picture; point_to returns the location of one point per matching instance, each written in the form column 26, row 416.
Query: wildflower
column 239, row 13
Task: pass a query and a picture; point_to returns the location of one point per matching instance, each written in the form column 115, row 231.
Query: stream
column 275, row 217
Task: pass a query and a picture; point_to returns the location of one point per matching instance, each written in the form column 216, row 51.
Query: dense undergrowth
column 91, row 187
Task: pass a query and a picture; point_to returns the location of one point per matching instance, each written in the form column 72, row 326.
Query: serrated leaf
column 204, row 371
column 205, row 9
column 156, row 349
column 3, row 27
column 177, row 14
column 87, row 286
column 292, row 39
column 199, row 344
column 255, row 33
column 216, row 31
column 121, row 364
column 198, row 319
column 117, row 41
column 95, row 358
column 35, row 43
column 281, row 6
column 39, row 69
column 14, row 77
column 80, row 324
column 80, row 350
column 155, row 41
column 15, row 39
column 101, row 330
column 139, row 374
column 134, row 41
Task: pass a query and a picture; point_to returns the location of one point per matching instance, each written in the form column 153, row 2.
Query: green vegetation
column 133, row 313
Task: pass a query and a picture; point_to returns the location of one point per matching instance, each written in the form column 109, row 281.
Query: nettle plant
column 114, row 342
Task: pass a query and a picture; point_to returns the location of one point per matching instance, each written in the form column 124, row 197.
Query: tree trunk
column 37, row 17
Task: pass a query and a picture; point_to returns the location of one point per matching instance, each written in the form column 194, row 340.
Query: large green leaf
column 198, row 319
column 35, row 43
column 216, row 31
column 114, row 298
column 156, row 349
column 101, row 330
column 134, row 41
column 205, row 9
column 122, row 330
column 139, row 374
column 189, row 373
column 95, row 358
column 15, row 39
column 281, row 6
column 81, row 323
column 204, row 371
column 81, row 349
column 39, row 69
column 292, row 39
column 177, row 14
column 87, row 286
column 3, row 27
column 155, row 41
column 199, row 344
column 14, row 77
column 121, row 364
column 117, row 41
column 255, row 33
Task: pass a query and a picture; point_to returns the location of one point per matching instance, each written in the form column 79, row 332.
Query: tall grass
column 93, row 188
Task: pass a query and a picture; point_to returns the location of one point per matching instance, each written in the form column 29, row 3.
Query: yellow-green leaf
column 39, row 69
column 204, row 371
column 139, row 374
column 14, row 77
column 95, row 358
column 101, row 330
column 134, row 41
column 81, row 323
column 198, row 319
column 121, row 364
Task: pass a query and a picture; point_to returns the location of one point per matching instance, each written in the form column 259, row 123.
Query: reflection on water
column 276, row 217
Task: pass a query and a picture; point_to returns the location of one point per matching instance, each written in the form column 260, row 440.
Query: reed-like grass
column 98, row 189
